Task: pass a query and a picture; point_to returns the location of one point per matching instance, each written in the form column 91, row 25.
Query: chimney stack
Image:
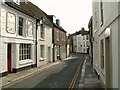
column 58, row 22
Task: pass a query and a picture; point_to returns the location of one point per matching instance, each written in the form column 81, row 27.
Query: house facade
column 80, row 41
column 59, row 43
column 44, row 44
column 17, row 38
column 106, row 43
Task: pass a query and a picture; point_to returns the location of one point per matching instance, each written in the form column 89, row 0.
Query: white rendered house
column 44, row 46
column 106, row 30
column 17, row 38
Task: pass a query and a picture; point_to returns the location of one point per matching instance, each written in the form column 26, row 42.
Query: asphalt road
column 63, row 75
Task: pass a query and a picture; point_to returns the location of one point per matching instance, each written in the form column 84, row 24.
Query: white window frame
column 42, row 33
column 42, row 52
column 24, row 51
column 23, row 27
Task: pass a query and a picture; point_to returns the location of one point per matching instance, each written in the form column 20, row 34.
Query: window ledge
column 42, row 59
column 27, row 61
column 41, row 39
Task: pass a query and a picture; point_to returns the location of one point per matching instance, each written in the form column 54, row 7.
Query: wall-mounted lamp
column 107, row 32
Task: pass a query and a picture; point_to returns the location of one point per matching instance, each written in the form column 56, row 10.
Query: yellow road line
column 75, row 76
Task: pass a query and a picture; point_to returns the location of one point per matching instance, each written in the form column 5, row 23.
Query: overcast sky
column 73, row 14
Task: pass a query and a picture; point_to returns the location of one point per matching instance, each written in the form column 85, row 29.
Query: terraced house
column 59, row 39
column 106, row 30
column 17, row 35
column 27, row 37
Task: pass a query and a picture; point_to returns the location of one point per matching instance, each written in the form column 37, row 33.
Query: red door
column 9, row 56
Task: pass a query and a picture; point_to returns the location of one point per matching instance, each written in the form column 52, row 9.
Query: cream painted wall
column 47, row 42
column 15, row 39
column 110, row 11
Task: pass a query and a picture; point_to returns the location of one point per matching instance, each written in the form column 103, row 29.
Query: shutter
column 10, row 23
column 30, row 28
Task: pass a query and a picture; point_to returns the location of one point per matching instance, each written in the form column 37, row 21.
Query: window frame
column 42, row 32
column 42, row 51
column 101, row 13
column 25, row 52
column 20, row 26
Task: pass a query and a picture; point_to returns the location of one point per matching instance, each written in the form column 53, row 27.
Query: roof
column 90, row 22
column 83, row 32
column 29, row 9
column 50, row 17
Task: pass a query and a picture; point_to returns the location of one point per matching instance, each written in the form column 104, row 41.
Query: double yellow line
column 72, row 84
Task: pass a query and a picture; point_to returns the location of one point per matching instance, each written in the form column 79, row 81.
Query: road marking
column 72, row 84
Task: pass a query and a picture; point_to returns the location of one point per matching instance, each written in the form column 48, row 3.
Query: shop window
column 24, row 51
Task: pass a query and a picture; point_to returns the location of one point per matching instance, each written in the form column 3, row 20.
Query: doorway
column 49, row 54
column 108, row 63
column 9, row 57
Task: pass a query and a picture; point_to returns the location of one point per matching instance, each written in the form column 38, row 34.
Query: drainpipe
column 53, row 43
column 37, row 21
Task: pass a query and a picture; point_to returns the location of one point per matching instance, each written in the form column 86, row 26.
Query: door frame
column 9, row 57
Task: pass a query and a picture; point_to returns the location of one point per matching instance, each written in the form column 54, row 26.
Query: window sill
column 27, row 61
column 41, row 39
column 42, row 59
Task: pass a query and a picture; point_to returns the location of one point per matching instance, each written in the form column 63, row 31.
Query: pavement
column 88, row 78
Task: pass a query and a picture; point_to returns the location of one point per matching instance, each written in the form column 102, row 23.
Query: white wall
column 110, row 13
column 15, row 39
column 47, row 42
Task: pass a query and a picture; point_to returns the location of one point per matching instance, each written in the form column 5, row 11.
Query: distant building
column 80, row 41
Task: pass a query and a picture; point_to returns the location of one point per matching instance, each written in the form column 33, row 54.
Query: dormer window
column 17, row 1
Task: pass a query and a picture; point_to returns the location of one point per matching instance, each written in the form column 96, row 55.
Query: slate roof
column 29, row 9
column 50, row 17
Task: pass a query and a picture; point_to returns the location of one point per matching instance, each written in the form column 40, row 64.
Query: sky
column 73, row 14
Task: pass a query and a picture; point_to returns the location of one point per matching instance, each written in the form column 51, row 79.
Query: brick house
column 59, row 40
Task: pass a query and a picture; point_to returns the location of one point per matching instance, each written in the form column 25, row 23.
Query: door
column 49, row 54
column 108, row 63
column 9, row 56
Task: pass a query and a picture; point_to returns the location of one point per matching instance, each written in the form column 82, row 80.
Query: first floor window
column 20, row 26
column 24, row 51
column 42, row 49
column 42, row 32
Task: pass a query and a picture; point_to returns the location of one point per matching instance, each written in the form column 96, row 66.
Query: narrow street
column 58, row 76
